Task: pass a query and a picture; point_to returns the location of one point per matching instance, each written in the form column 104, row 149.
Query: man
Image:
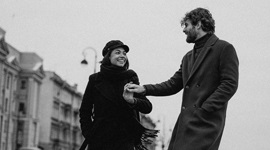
column 208, row 76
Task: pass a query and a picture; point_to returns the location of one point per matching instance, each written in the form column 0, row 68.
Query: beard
column 191, row 36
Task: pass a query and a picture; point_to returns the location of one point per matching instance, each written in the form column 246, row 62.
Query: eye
column 117, row 52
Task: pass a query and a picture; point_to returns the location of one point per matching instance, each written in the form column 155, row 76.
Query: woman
column 109, row 114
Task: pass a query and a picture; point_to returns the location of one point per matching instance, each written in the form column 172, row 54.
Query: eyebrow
column 118, row 50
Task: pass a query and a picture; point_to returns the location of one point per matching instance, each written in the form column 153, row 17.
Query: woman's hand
column 128, row 96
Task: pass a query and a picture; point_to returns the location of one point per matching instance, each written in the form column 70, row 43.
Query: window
column 23, row 84
column 22, row 108
column 4, row 145
column 1, row 123
column 54, row 132
column 20, row 125
column 3, row 98
column 55, row 109
column 74, row 136
column 66, row 134
column 8, row 81
column 63, row 113
column 20, row 129
column 5, row 126
column 75, row 116
column 6, row 104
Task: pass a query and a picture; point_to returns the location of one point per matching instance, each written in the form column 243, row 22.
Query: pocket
column 205, row 116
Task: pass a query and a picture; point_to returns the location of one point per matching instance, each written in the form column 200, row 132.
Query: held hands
column 135, row 88
column 130, row 89
column 128, row 96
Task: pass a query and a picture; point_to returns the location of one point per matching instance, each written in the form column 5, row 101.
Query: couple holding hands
column 208, row 76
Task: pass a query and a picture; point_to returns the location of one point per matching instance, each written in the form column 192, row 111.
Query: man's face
column 190, row 31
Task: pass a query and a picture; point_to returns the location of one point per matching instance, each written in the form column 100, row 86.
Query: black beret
column 111, row 45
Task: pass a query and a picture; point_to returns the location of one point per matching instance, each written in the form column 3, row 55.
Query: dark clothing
column 207, row 85
column 108, row 122
column 199, row 45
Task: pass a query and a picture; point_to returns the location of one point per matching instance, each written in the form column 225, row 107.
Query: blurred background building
column 20, row 81
column 59, row 114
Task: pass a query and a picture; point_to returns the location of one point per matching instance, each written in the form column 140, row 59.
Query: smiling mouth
column 122, row 61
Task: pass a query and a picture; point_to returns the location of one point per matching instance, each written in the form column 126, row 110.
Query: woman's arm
column 137, row 101
column 86, row 109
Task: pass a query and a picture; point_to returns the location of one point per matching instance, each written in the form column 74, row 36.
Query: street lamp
column 84, row 61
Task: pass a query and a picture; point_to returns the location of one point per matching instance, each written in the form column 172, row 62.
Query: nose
column 184, row 30
column 122, row 55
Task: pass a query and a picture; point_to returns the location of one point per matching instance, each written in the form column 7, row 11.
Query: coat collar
column 205, row 50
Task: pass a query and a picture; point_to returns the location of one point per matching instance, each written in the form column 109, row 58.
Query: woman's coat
column 208, row 84
column 106, row 125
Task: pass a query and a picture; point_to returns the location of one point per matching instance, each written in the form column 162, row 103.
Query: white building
column 59, row 114
column 20, row 79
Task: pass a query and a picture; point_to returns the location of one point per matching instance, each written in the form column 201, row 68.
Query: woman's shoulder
column 133, row 76
column 131, row 71
column 93, row 76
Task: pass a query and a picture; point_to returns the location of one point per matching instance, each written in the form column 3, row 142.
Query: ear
column 199, row 25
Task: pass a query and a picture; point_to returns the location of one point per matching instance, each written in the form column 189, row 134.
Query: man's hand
column 135, row 88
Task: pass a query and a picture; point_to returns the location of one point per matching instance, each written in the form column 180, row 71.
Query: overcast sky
column 59, row 30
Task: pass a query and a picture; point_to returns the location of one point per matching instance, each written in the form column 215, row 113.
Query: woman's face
column 118, row 57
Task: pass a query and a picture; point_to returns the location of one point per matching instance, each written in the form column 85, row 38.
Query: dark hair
column 203, row 15
column 107, row 62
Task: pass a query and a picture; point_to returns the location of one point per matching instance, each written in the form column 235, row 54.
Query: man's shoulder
column 188, row 53
column 222, row 42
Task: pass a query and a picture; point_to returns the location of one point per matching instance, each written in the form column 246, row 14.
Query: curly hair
column 203, row 15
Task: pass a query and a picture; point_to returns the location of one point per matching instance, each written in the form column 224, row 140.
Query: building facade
column 5, row 94
column 59, row 114
column 20, row 79
column 37, row 108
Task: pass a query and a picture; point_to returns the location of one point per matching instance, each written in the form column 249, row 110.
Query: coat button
column 187, row 87
column 183, row 107
column 197, row 85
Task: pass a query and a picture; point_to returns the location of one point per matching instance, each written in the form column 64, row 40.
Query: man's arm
column 169, row 87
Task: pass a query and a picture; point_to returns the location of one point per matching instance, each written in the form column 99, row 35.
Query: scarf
column 120, row 76
column 115, row 73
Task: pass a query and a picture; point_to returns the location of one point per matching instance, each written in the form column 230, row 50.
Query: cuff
column 134, row 104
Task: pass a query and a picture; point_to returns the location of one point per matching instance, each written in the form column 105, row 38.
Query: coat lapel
column 199, row 60
column 205, row 50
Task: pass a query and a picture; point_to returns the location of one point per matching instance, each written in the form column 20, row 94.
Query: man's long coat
column 208, row 84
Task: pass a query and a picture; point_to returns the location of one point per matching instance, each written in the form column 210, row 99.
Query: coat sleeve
column 229, row 73
column 169, row 87
column 85, row 111
column 142, row 104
